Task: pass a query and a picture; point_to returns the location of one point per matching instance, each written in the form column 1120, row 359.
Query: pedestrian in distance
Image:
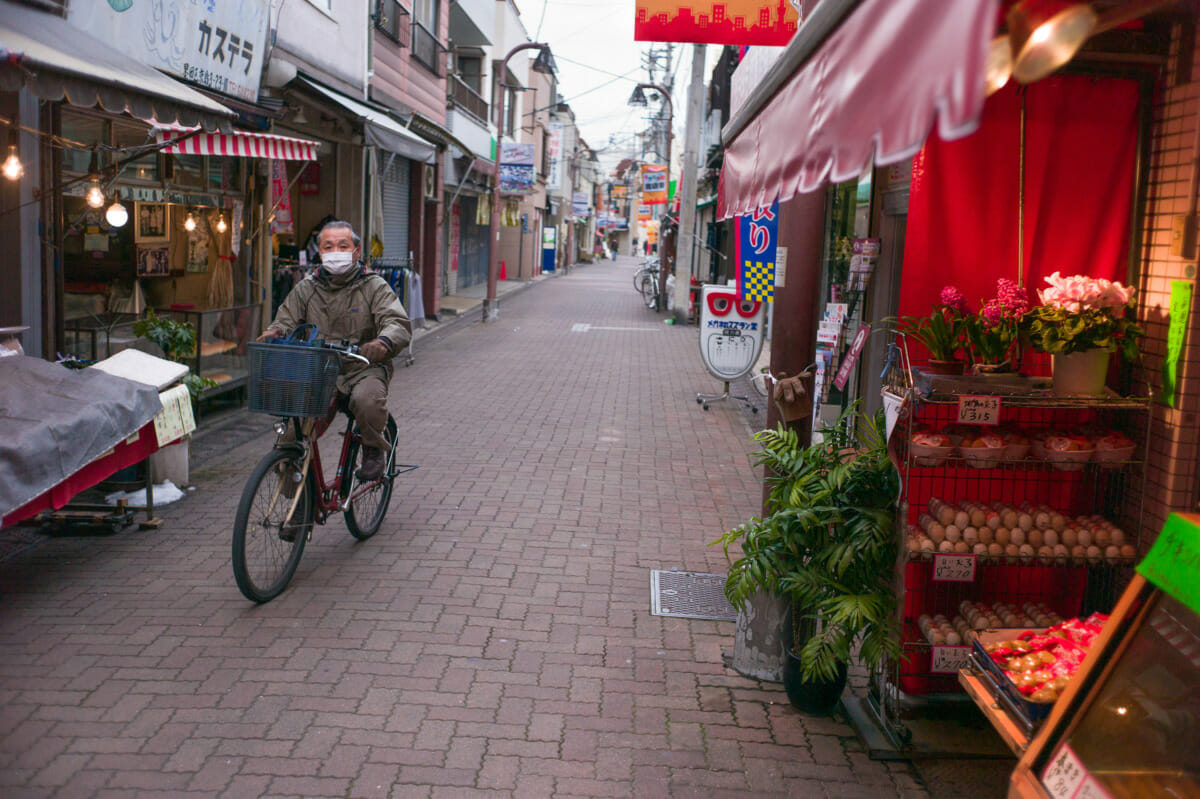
column 347, row 303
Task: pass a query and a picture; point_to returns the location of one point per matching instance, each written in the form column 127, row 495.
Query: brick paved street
column 494, row 639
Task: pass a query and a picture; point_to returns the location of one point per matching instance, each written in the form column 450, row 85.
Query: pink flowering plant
column 994, row 335
column 1081, row 313
column 941, row 332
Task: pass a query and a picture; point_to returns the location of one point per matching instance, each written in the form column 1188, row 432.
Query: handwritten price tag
column 1091, row 790
column 950, row 659
column 978, row 409
column 1064, row 775
column 954, row 568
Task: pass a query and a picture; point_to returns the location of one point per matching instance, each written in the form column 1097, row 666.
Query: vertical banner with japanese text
column 757, row 238
column 281, row 201
column 555, row 144
column 654, row 184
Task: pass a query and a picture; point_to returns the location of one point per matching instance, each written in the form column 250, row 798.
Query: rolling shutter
column 394, row 187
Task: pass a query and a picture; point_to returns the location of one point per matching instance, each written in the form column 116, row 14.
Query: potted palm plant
column 826, row 544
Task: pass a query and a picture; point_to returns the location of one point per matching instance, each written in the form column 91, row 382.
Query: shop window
column 88, row 131
column 188, row 171
column 224, row 174
column 134, row 142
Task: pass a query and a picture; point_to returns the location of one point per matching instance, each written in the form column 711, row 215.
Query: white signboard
column 218, row 44
column 731, row 331
column 554, row 179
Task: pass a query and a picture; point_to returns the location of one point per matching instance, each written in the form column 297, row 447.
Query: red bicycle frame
column 329, row 495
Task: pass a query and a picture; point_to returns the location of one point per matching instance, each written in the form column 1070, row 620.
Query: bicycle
column 646, row 282
column 639, row 275
column 287, row 493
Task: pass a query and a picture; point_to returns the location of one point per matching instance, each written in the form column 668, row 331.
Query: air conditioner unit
column 431, row 192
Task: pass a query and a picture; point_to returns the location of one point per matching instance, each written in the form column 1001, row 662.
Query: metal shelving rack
column 910, row 689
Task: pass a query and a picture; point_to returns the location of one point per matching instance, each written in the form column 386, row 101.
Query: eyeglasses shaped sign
column 731, row 331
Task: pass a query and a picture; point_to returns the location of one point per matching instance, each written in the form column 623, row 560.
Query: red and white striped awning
column 238, row 143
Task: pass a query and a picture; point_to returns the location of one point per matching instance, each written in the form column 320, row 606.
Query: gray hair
column 338, row 224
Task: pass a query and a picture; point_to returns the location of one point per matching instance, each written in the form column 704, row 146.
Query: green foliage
column 178, row 342
column 177, row 339
column 993, row 341
column 1055, row 330
column 942, row 332
column 827, row 543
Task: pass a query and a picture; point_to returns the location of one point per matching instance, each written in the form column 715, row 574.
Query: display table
column 63, row 431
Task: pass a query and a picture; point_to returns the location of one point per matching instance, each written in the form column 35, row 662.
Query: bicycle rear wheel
column 366, row 512
column 264, row 559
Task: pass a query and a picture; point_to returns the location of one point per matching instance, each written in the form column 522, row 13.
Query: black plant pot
column 817, row 698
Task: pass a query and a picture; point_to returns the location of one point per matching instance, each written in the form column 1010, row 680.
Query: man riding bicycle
column 346, row 303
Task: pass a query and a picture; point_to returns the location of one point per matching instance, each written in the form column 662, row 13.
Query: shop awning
column 57, row 62
column 238, row 143
column 860, row 80
column 379, row 129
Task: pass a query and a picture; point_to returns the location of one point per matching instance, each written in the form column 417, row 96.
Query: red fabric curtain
column 1080, row 149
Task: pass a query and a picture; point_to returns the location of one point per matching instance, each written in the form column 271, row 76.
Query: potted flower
column 1081, row 321
column 942, row 332
column 827, row 545
column 994, row 339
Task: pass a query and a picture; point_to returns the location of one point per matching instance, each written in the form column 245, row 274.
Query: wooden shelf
column 1008, row 729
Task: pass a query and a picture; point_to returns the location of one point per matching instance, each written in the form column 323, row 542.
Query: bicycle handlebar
column 349, row 350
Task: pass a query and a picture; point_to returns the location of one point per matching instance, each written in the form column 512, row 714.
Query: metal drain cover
column 689, row 595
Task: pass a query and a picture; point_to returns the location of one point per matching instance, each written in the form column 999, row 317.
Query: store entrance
column 473, row 239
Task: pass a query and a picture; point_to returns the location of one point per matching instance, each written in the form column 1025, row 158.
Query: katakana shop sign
column 742, row 22
column 217, row 44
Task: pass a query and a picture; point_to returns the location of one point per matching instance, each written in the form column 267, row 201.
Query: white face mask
column 337, row 263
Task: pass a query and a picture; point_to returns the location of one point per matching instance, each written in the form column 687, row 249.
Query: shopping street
column 494, row 639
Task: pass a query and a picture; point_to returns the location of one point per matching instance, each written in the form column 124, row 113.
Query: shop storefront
column 1049, row 176
column 53, row 73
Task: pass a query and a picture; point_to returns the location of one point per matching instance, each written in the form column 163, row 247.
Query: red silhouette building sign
column 744, row 22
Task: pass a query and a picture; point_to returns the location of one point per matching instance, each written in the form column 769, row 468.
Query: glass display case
column 97, row 336
column 1128, row 725
column 222, row 335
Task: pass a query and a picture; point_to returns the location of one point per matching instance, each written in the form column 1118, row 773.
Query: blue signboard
column 757, row 238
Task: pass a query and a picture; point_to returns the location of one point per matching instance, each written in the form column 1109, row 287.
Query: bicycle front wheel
column 274, row 519
column 645, row 284
column 366, row 512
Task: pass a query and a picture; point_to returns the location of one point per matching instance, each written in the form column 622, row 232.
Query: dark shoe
column 373, row 461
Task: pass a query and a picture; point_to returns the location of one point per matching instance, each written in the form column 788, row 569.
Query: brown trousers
column 368, row 391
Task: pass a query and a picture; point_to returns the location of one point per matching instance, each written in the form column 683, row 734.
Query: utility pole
column 685, row 239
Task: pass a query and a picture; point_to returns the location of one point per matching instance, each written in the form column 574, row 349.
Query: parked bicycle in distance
column 287, row 492
column 645, row 280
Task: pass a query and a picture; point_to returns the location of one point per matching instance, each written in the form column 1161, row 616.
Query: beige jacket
column 359, row 310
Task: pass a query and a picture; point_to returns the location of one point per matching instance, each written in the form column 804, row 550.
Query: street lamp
column 543, row 63
column 638, row 98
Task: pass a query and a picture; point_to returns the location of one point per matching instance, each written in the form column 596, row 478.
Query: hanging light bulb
column 95, row 195
column 12, row 168
column 189, row 224
column 221, row 226
column 116, row 214
column 1046, row 34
